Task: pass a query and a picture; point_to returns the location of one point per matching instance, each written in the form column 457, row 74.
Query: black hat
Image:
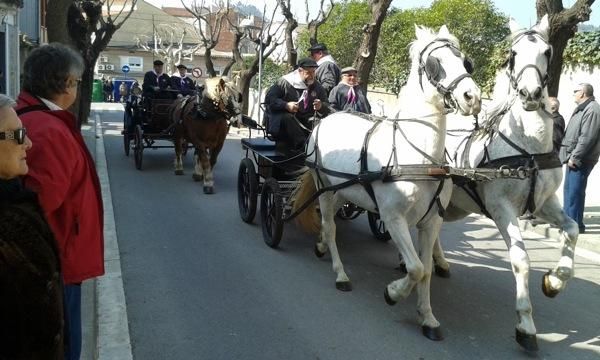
column 307, row 63
column 158, row 62
column 181, row 66
column 348, row 69
column 318, row 47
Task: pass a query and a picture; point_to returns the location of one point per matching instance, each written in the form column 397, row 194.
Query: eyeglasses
column 17, row 135
column 75, row 83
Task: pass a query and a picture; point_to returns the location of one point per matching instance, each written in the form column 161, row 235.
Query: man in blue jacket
column 580, row 151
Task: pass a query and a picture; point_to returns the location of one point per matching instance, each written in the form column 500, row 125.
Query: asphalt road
column 201, row 284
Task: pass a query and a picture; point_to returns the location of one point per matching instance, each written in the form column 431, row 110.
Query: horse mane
column 210, row 88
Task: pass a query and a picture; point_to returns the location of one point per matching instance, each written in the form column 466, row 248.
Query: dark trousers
column 574, row 192
column 292, row 134
column 73, row 321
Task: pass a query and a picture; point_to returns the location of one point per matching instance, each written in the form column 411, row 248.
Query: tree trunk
column 210, row 68
column 56, row 21
column 367, row 51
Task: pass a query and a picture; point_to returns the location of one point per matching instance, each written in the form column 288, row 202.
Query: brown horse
column 203, row 121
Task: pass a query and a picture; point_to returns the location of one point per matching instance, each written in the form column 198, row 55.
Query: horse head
column 224, row 97
column 437, row 59
column 528, row 61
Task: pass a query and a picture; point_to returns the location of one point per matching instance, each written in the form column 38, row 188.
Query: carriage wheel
column 378, row 227
column 247, row 190
column 271, row 213
column 126, row 142
column 348, row 211
column 138, row 150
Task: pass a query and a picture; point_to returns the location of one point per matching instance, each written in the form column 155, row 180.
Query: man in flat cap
column 154, row 81
column 291, row 102
column 328, row 72
column 181, row 81
column 348, row 95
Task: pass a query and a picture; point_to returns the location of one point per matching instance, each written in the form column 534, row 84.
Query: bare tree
column 89, row 32
column 167, row 43
column 563, row 25
column 320, row 19
column 209, row 27
column 264, row 37
column 291, row 25
column 365, row 57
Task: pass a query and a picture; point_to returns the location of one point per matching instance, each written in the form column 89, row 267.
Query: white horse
column 517, row 133
column 410, row 150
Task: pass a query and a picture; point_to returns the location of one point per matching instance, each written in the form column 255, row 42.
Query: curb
column 113, row 341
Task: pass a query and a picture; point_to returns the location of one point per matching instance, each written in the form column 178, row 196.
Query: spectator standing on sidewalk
column 348, row 95
column 31, row 292
column 328, row 72
column 558, row 132
column 580, row 151
column 62, row 172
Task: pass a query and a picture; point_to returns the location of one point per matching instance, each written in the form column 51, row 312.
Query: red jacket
column 62, row 172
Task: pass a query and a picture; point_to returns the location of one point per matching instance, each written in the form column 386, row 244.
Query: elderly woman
column 62, row 172
column 31, row 293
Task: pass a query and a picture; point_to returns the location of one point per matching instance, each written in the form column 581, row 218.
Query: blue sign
column 125, row 69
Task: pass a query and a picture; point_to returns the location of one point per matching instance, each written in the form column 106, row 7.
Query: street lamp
column 249, row 24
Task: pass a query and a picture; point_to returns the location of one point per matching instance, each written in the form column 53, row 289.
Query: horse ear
column 444, row 33
column 514, row 26
column 543, row 26
column 419, row 32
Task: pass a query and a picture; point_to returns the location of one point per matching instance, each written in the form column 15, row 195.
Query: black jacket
column 185, row 87
column 31, row 292
column 151, row 81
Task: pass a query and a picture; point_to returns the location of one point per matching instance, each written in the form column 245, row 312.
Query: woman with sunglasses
column 31, row 292
column 62, row 172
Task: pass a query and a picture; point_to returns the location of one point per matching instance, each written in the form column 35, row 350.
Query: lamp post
column 249, row 24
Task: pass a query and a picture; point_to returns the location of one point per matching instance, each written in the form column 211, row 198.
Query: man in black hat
column 182, row 83
column 291, row 102
column 155, row 80
column 348, row 95
column 328, row 72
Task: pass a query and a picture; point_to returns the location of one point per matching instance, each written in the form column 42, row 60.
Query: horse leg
column 208, row 187
column 326, row 202
column 440, row 264
column 178, row 154
column 401, row 288
column 321, row 245
column 198, row 174
column 508, row 225
column 556, row 280
column 428, row 234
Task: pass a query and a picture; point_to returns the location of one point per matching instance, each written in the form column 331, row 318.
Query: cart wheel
column 247, row 190
column 348, row 212
column 378, row 227
column 138, row 150
column 271, row 212
column 126, row 142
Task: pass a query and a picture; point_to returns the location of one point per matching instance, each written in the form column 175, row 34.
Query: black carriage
column 272, row 172
column 146, row 121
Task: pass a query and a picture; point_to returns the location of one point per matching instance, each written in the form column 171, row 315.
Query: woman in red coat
column 62, row 172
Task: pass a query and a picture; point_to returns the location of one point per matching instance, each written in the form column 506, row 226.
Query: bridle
column 432, row 68
column 515, row 79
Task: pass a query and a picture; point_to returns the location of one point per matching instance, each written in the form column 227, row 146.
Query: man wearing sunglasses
column 348, row 95
column 580, row 151
column 62, row 172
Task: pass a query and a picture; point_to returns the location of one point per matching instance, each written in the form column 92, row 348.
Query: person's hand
column 292, row 107
column 156, row 88
column 571, row 164
column 317, row 104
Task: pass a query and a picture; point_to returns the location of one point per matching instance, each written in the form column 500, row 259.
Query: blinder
column 510, row 62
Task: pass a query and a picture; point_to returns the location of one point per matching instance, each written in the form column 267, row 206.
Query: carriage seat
column 263, row 144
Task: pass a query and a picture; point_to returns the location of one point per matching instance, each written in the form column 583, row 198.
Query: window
column 135, row 63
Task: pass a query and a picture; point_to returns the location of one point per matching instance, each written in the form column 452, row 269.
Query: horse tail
column 309, row 219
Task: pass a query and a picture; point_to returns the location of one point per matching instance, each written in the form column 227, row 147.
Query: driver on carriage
column 155, row 81
column 181, row 82
column 292, row 102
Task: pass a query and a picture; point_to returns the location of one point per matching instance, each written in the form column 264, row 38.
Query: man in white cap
column 348, row 95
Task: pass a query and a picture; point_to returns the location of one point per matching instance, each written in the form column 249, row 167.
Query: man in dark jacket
column 580, row 151
column 558, row 131
column 182, row 82
column 348, row 95
column 155, row 80
column 291, row 102
column 328, row 72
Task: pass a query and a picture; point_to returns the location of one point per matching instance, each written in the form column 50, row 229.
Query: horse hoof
column 387, row 297
column 547, row 288
column 433, row 333
column 402, row 268
column 318, row 252
column 441, row 272
column 197, row 177
column 343, row 285
column 178, row 172
column 528, row 342
column 209, row 190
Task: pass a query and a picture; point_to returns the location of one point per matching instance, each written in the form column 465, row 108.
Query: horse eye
column 548, row 53
column 468, row 63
